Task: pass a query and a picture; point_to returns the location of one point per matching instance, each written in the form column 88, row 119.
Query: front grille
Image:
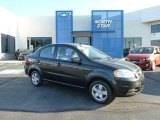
column 135, row 61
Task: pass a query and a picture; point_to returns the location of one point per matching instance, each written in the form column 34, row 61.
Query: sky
column 79, row 7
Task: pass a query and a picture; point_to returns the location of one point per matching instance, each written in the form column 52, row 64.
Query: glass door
column 83, row 40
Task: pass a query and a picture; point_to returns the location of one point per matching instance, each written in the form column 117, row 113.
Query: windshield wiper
column 95, row 58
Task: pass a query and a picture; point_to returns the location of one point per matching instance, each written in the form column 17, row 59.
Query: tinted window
column 47, row 52
column 66, row 53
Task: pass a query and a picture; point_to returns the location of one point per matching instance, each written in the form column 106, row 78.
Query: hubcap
column 99, row 92
column 35, row 78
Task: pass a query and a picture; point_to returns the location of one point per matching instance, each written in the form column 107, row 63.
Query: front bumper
column 143, row 64
column 146, row 65
column 129, row 86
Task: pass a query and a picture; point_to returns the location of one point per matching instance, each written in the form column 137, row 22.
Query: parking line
column 8, row 66
column 12, row 71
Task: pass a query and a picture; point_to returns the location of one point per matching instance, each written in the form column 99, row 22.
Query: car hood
column 118, row 64
column 138, row 56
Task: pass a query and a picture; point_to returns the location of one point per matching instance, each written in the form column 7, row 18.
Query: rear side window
column 47, row 52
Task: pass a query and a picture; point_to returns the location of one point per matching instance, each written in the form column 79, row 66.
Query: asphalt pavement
column 19, row 99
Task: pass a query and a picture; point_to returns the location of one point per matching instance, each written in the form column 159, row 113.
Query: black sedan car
column 86, row 67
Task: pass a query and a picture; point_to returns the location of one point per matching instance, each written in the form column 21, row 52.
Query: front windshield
column 92, row 52
column 142, row 50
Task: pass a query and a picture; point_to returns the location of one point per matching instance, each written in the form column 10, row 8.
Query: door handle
column 58, row 64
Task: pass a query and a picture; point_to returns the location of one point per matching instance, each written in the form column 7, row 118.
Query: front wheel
column 101, row 92
column 36, row 79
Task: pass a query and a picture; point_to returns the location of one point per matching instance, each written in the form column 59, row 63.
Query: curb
column 11, row 62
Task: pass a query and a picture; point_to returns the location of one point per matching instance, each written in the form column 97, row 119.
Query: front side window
column 66, row 53
column 47, row 52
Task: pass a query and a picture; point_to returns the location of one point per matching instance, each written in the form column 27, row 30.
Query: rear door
column 46, row 61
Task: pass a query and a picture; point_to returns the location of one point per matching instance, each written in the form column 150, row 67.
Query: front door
column 67, row 71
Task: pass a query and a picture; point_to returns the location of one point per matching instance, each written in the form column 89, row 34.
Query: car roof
column 71, row 44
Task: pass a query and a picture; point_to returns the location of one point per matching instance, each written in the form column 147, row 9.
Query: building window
column 155, row 28
column 155, row 42
column 129, row 41
column 7, row 44
column 33, row 43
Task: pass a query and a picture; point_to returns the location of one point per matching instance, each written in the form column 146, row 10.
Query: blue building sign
column 64, row 26
column 107, row 31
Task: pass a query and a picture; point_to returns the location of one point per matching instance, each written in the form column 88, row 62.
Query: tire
column 153, row 65
column 101, row 92
column 36, row 78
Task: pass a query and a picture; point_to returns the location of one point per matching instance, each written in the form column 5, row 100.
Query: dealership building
column 112, row 31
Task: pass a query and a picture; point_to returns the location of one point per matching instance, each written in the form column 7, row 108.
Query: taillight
column 28, row 61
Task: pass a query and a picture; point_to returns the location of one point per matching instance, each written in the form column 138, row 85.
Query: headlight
column 147, row 59
column 124, row 73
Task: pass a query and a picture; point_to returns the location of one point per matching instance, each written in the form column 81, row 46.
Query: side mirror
column 76, row 60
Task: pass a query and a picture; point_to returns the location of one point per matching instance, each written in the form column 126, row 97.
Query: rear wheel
column 36, row 78
column 101, row 92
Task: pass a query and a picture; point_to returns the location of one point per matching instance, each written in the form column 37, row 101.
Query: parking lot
column 20, row 99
